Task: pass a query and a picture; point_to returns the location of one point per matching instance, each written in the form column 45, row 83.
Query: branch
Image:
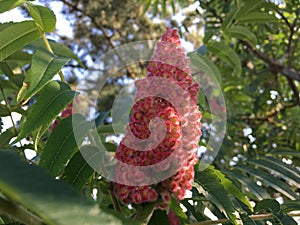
column 253, row 217
column 274, row 65
column 271, row 114
column 99, row 26
column 19, row 213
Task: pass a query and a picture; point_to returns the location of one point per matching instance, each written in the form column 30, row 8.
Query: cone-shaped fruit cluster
column 169, row 94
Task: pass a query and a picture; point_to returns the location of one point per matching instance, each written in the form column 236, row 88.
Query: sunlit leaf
column 63, row 143
column 43, row 17
column 43, row 68
column 14, row 36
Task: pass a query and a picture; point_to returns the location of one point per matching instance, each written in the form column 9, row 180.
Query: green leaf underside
column 15, row 36
column 43, row 68
column 43, row 17
column 63, row 142
column 52, row 99
column 52, row 200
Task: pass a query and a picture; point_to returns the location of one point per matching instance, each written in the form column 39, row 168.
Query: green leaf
column 52, row 99
column 19, row 57
column 287, row 152
column 58, row 49
column 55, row 202
column 279, row 168
column 215, row 191
column 44, row 18
column 6, row 5
column 43, row 68
column 8, row 84
column 15, row 36
column 242, row 33
column 289, row 205
column 78, row 170
column 272, row 206
column 258, row 17
column 62, row 143
column 205, row 65
column 4, row 111
column 259, row 192
column 246, row 8
column 269, row 180
column 5, row 137
column 177, row 210
column 159, row 217
column 232, row 189
column 147, row 4
column 227, row 54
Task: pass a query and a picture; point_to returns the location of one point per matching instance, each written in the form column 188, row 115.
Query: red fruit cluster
column 68, row 111
column 169, row 94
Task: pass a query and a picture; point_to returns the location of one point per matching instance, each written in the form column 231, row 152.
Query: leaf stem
column 19, row 213
column 114, row 201
column 253, row 217
column 47, row 44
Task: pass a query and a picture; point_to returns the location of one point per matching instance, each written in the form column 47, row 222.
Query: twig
column 103, row 30
column 253, row 217
column 19, row 213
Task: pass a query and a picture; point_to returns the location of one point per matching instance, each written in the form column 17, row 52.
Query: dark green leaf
column 63, row 142
column 159, row 217
column 52, row 99
column 44, row 18
column 54, row 201
column 269, row 180
column 4, row 111
column 281, row 169
column 43, row 68
column 5, row 137
column 78, row 170
column 259, row 192
column 15, row 36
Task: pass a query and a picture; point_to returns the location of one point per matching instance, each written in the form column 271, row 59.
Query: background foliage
column 250, row 45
